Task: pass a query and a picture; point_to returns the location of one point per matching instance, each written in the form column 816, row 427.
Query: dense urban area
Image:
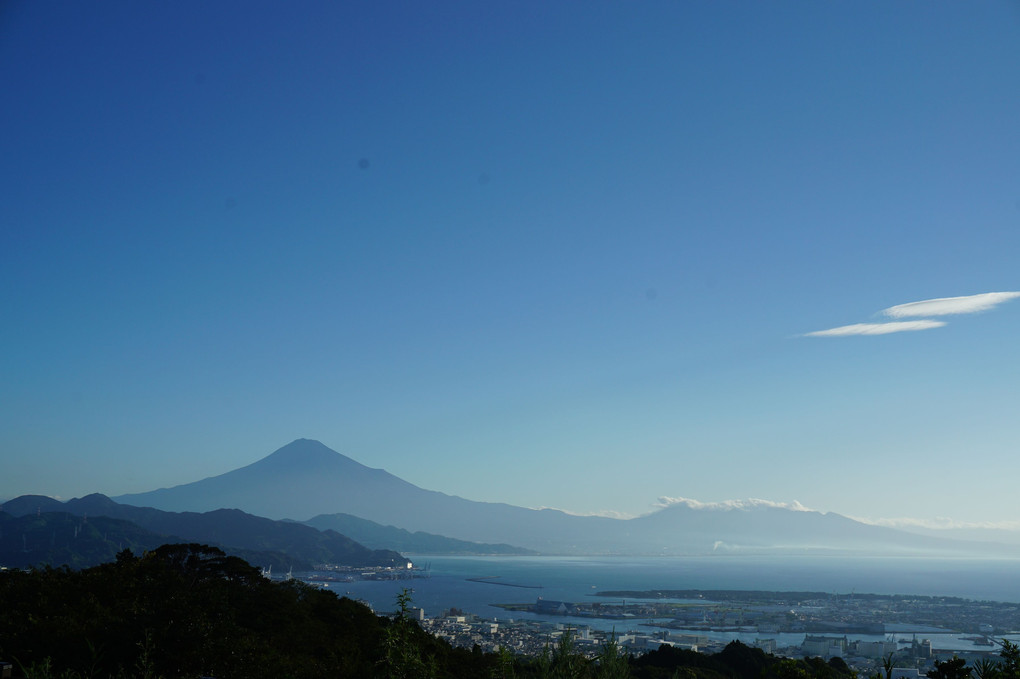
column 828, row 625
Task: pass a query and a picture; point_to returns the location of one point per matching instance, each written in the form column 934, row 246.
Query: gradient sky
column 579, row 255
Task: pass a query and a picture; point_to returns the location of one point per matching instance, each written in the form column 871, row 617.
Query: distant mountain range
column 378, row 536
column 39, row 529
column 306, row 479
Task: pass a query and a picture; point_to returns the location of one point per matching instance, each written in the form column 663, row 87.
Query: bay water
column 474, row 584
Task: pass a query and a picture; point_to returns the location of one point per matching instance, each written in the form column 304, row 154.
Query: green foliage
column 612, row 662
column 887, row 665
column 181, row 611
column 506, row 666
column 736, row 661
column 788, row 668
column 1009, row 666
column 986, row 668
column 954, row 668
column 403, row 658
column 566, row 664
column 561, row 661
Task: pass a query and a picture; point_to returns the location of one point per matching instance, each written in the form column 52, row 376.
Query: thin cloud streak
column 945, row 306
column 876, row 328
column 752, row 503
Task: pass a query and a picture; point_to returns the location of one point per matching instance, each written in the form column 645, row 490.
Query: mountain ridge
column 231, row 529
column 377, row 536
column 305, row 479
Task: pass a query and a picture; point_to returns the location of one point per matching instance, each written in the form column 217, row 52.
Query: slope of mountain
column 769, row 528
column 377, row 536
column 59, row 538
column 305, row 479
column 236, row 532
column 62, row 538
column 1008, row 536
column 29, row 504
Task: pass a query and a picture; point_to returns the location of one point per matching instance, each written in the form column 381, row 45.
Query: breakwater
column 495, row 580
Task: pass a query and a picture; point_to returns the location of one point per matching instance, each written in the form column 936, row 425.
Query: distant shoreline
column 766, row 596
column 492, row 580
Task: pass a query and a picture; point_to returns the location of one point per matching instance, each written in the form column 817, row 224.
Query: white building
column 826, row 647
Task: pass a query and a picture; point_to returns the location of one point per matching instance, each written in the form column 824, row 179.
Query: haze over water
column 576, row 578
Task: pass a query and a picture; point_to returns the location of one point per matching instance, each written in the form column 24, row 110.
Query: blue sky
column 551, row 254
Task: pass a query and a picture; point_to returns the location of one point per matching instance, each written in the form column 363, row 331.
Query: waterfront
column 470, row 584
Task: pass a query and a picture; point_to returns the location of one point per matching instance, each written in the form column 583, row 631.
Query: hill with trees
column 281, row 544
column 378, row 536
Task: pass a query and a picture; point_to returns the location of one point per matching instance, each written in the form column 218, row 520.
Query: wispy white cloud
column 945, row 306
column 752, row 503
column 942, row 306
column 876, row 328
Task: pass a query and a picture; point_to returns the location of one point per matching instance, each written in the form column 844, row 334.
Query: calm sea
column 574, row 579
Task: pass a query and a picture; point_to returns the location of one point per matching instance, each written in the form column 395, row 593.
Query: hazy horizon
column 1004, row 532
column 572, row 256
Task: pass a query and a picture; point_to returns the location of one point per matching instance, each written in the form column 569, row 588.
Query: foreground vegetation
column 191, row 611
